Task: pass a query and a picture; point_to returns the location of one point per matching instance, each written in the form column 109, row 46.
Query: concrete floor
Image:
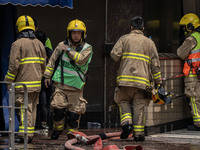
column 174, row 140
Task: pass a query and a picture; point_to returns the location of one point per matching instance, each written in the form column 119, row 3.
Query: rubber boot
column 127, row 129
column 139, row 138
column 55, row 134
column 193, row 128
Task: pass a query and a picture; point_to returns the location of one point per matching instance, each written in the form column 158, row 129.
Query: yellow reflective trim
column 192, row 75
column 28, row 128
column 127, row 117
column 22, row 114
column 21, row 86
column 60, row 127
column 76, row 57
column 10, row 77
column 196, row 117
column 126, row 114
column 120, row 112
column 133, row 79
column 30, row 58
column 30, row 131
column 70, row 130
column 194, row 106
column 138, row 128
column 29, row 84
column 157, row 75
column 48, row 69
column 32, row 62
column 136, row 56
column 10, row 74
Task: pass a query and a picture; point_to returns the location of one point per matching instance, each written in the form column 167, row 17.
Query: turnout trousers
column 33, row 99
column 127, row 96
column 68, row 103
column 192, row 91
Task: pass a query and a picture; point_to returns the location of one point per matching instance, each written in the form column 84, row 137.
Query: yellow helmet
column 190, row 21
column 76, row 25
column 25, row 22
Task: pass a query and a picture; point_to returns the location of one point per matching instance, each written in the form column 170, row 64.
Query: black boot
column 19, row 139
column 139, row 138
column 55, row 135
column 127, row 129
column 193, row 128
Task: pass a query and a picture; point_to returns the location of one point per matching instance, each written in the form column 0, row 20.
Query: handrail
column 12, row 108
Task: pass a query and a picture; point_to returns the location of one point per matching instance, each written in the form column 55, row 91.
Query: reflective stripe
column 133, row 79
column 195, row 118
column 29, row 84
column 10, row 76
column 138, row 128
column 29, row 129
column 70, row 72
column 22, row 114
column 136, row 56
column 195, row 59
column 125, row 116
column 194, row 106
column 70, row 130
column 195, row 51
column 32, row 60
column 49, row 69
column 76, row 57
column 21, row 128
column 157, row 75
column 60, row 127
column 191, row 74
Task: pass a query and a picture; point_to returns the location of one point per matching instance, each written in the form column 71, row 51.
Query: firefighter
column 139, row 65
column 47, row 40
column 26, row 65
column 189, row 51
column 43, row 108
column 74, row 56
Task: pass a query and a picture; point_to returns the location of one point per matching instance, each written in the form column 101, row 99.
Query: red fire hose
column 172, row 77
column 79, row 137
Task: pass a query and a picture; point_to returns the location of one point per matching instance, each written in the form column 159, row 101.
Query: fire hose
column 172, row 77
column 79, row 137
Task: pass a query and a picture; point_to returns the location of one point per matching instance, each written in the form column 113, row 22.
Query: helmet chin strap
column 186, row 32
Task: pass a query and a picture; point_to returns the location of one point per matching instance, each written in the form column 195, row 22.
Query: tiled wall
column 178, row 110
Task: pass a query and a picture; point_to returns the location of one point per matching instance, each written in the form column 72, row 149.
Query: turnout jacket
column 81, row 59
column 26, row 64
column 139, row 60
column 183, row 52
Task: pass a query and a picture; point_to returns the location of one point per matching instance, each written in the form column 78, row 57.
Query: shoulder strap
column 78, row 49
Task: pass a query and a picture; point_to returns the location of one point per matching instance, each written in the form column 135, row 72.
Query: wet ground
column 174, row 140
